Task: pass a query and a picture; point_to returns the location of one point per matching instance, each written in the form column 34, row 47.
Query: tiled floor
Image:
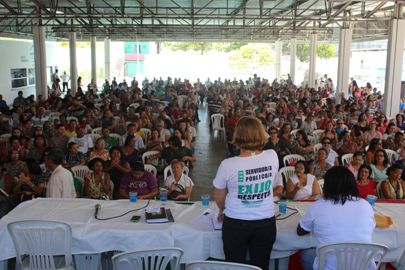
column 210, row 151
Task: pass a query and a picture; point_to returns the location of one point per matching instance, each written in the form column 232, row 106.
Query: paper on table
column 207, row 220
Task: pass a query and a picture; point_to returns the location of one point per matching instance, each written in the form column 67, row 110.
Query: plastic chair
column 94, row 137
column 321, row 182
column 317, row 147
column 379, row 190
column 217, row 121
column 147, row 133
column 97, row 130
column 392, row 155
column 151, row 157
column 283, row 175
column 79, row 171
column 69, row 118
column 42, row 244
column 213, row 265
column 151, row 169
column 351, row 255
column 87, row 261
column 294, row 132
column 169, row 171
column 317, row 134
column 347, row 158
column 153, row 259
column 116, row 136
column 290, row 160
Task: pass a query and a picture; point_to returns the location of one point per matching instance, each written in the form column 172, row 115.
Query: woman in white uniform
column 244, row 195
column 341, row 216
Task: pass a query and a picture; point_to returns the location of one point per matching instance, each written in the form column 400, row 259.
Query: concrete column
column 293, row 56
column 345, row 45
column 93, row 60
column 41, row 85
column 277, row 63
column 312, row 61
column 137, row 59
column 158, row 44
column 73, row 63
column 395, row 52
column 107, row 59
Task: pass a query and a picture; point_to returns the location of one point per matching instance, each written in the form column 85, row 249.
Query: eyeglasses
column 272, row 133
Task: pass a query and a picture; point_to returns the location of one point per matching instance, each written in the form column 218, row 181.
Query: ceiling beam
column 8, row 7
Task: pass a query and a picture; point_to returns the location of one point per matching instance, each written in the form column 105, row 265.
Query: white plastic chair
column 217, row 121
column 97, row 130
column 379, row 190
column 151, row 157
column 151, row 169
column 147, row 133
column 366, row 148
column 283, row 175
column 116, row 136
column 317, row 134
column 294, row 133
column 72, row 118
column 154, row 259
column 351, row 256
column 169, row 171
column 5, row 137
column 94, row 137
column 79, row 171
column 312, row 140
column 38, row 243
column 347, row 158
column 392, row 155
column 214, row 265
column 290, row 160
column 321, row 182
column 317, row 147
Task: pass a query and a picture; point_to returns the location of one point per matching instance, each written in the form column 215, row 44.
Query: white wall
column 20, row 54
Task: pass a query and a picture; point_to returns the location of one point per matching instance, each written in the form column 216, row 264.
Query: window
column 18, row 77
column 31, row 76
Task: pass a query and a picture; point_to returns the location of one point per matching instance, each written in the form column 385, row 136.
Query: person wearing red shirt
column 365, row 184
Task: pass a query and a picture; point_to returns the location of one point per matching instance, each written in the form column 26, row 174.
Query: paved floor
column 210, row 151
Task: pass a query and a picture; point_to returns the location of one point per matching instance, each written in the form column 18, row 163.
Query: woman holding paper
column 243, row 191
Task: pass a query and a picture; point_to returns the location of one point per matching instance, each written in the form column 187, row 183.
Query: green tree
column 251, row 55
column 323, row 51
column 202, row 47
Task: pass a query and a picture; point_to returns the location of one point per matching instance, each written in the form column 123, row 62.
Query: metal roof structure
column 199, row 20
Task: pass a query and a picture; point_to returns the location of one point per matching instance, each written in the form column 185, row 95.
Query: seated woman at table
column 99, row 150
column 379, row 166
column 341, row 216
column 116, row 168
column 178, row 184
column 302, row 186
column 96, row 182
column 319, row 167
column 394, row 186
column 365, row 184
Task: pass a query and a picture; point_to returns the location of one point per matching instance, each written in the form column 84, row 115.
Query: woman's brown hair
column 249, row 134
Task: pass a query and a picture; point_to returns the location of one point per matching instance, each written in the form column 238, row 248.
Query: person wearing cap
column 140, row 181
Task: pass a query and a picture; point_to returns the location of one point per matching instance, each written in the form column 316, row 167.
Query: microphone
column 97, row 208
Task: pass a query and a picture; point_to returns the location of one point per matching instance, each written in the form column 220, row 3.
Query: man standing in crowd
column 65, row 81
column 60, row 183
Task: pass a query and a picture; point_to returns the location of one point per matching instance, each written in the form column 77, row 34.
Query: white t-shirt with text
column 250, row 182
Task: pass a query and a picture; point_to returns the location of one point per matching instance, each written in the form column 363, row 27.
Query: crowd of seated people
column 119, row 125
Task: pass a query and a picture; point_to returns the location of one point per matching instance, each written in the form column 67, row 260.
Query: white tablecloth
column 94, row 236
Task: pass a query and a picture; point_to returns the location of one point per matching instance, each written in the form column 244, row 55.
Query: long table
column 94, row 236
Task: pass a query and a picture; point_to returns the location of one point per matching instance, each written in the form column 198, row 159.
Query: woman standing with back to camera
column 244, row 195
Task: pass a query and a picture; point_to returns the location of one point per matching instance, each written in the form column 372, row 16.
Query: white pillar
column 395, row 52
column 73, row 63
column 312, row 61
column 137, row 58
column 277, row 63
column 293, row 56
column 41, row 86
column 107, row 59
column 345, row 45
column 93, row 60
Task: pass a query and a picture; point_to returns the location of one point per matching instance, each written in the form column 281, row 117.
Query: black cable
column 295, row 212
column 133, row 210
